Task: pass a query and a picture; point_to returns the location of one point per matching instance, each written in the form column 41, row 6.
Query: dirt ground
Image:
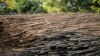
column 71, row 34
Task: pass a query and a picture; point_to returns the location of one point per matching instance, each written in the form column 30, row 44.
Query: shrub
column 96, row 6
column 55, row 6
column 11, row 4
column 31, row 6
column 51, row 6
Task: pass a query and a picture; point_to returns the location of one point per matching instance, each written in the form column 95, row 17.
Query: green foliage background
column 49, row 6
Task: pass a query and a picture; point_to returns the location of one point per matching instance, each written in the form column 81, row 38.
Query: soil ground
column 71, row 34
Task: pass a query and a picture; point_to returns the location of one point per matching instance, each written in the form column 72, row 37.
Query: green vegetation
column 96, row 6
column 49, row 6
column 55, row 6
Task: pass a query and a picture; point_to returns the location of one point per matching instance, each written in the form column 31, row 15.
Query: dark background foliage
column 49, row 6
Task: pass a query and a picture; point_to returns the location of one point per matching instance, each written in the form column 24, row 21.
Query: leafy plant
column 11, row 4
column 96, row 6
column 51, row 6
column 55, row 6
